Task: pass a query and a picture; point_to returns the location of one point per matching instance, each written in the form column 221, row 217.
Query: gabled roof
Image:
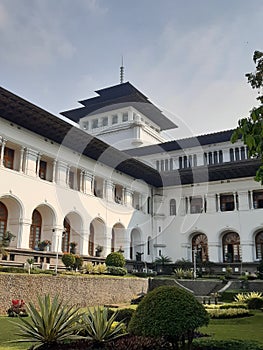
column 27, row 115
column 119, row 96
column 201, row 140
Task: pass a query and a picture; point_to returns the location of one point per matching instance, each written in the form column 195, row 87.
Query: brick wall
column 79, row 290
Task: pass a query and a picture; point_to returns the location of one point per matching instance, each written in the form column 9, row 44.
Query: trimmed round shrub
column 169, row 312
column 116, row 271
column 68, row 260
column 115, row 259
column 255, row 303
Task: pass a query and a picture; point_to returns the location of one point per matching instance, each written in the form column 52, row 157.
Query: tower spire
column 121, row 71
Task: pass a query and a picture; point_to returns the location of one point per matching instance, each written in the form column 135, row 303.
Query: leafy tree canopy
column 250, row 129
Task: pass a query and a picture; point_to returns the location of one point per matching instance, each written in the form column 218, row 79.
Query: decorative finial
column 121, row 71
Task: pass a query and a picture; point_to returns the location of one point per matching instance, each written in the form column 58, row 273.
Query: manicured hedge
column 212, row 344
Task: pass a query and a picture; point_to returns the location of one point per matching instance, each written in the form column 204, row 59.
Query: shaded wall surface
column 77, row 290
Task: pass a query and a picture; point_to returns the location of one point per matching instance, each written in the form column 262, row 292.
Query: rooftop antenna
column 121, row 71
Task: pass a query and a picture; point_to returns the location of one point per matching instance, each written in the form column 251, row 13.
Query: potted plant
column 72, row 247
column 44, row 245
column 7, row 238
column 99, row 250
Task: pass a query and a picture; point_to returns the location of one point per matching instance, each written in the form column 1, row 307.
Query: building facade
column 114, row 182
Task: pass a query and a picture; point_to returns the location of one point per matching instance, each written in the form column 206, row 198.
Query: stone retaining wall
column 78, row 290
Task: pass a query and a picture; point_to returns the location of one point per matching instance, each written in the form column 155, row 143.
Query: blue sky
column 189, row 57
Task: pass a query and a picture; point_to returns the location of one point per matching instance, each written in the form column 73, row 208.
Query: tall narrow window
column 231, row 154
column 3, row 219
column 215, row 157
column 35, row 230
column 210, row 158
column 71, row 179
column 243, row 153
column 237, row 153
column 172, row 207
column 196, row 205
column 195, row 160
column 158, row 165
column 190, row 161
column 43, row 170
column 9, row 158
column 220, row 153
column 205, row 158
column 166, row 165
column 180, row 162
column 227, row 202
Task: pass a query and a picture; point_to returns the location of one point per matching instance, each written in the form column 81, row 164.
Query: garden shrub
column 133, row 342
column 68, row 260
column 169, row 312
column 228, row 313
column 233, row 306
column 100, row 268
column 89, row 267
column 229, row 295
column 255, row 303
column 213, row 344
column 116, row 271
column 115, row 259
column 78, row 262
column 12, row 269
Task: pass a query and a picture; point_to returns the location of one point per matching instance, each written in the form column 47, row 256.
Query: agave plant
column 244, row 297
column 50, row 323
column 99, row 327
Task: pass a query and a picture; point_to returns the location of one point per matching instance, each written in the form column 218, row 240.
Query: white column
column 214, row 251
column 23, row 239
column 31, row 161
column 109, row 190
column 247, row 251
column 56, row 245
column 62, row 170
column 84, row 242
column 128, row 197
column 2, row 152
column 210, row 203
column 54, row 171
column 22, row 151
column 38, row 164
column 87, row 182
column 226, row 156
column 243, row 200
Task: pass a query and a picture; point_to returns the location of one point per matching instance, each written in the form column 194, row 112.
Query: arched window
column 231, row 247
column 259, row 245
column 200, row 247
column 215, row 157
column 185, row 162
column 66, row 236
column 3, row 219
column 210, row 158
column 35, row 229
column 172, row 207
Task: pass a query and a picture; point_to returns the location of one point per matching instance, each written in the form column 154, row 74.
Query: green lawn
column 250, row 328
column 8, row 326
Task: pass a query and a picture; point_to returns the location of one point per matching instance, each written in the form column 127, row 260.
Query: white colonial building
column 115, row 182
